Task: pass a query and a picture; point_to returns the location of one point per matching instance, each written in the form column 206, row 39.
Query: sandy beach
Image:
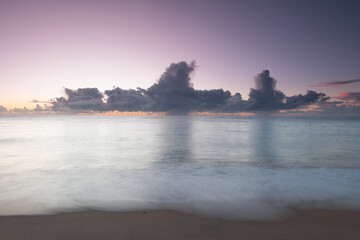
column 174, row 225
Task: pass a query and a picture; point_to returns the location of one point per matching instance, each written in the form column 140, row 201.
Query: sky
column 49, row 46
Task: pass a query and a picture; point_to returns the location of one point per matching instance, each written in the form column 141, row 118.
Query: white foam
column 227, row 192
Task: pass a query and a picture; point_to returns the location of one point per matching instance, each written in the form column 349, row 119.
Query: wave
column 246, row 193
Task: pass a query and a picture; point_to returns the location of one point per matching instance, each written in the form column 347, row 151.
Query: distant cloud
column 37, row 101
column 349, row 96
column 303, row 100
column 38, row 108
column 21, row 110
column 337, row 108
column 174, row 93
column 45, row 109
column 336, row 83
column 265, row 96
column 2, row 109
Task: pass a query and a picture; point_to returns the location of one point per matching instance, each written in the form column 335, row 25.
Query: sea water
column 234, row 167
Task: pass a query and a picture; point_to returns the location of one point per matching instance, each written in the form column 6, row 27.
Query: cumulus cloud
column 303, row 100
column 336, row 83
column 265, row 96
column 215, row 99
column 126, row 100
column 174, row 93
column 235, row 104
column 81, row 99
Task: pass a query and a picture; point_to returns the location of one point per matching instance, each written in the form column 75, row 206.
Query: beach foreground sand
column 339, row 225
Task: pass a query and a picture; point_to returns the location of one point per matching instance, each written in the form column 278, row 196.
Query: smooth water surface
column 231, row 167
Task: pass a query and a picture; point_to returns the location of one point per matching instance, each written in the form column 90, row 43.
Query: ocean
column 232, row 167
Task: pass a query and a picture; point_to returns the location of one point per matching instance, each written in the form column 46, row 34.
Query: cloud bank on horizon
column 2, row 109
column 174, row 93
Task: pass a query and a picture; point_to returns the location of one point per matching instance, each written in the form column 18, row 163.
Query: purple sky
column 48, row 45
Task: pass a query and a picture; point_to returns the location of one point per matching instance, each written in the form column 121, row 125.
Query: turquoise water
column 255, row 168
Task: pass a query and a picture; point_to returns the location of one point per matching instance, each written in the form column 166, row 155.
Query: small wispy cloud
column 335, row 83
column 38, row 101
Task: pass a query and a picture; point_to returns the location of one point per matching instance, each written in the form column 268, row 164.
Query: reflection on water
column 61, row 142
column 263, row 140
column 175, row 139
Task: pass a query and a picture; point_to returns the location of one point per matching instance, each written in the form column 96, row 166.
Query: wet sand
column 157, row 225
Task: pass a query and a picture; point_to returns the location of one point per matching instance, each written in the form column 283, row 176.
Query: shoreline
column 166, row 224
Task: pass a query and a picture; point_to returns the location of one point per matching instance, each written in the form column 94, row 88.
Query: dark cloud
column 335, row 83
column 210, row 100
column 2, row 109
column 126, row 100
column 83, row 99
column 174, row 93
column 265, row 96
column 303, row 100
column 235, row 104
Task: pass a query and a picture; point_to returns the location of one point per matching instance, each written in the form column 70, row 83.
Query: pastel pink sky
column 48, row 45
